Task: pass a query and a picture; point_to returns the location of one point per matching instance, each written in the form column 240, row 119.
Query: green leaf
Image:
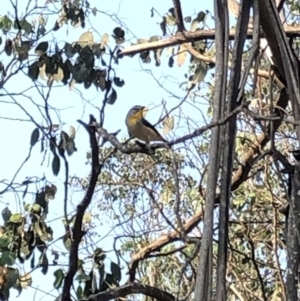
column 26, row 26
column 59, row 278
column 116, row 271
column 79, row 292
column 56, row 165
column 82, row 277
column 8, row 258
column 16, row 218
column 36, row 208
column 5, row 240
column 12, row 276
column 5, row 23
column 34, row 137
column 170, row 20
column 67, row 242
column 24, row 48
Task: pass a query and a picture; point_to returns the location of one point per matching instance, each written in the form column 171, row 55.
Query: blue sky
column 140, row 88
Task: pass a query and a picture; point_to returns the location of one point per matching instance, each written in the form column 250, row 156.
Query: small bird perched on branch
column 140, row 128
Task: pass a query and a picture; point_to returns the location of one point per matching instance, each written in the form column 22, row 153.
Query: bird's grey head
column 134, row 110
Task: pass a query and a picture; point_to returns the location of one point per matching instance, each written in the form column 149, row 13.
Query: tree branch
column 189, row 36
column 178, row 15
column 133, row 288
column 77, row 232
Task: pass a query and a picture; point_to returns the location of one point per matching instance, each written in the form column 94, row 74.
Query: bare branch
column 190, row 36
column 133, row 288
column 77, row 230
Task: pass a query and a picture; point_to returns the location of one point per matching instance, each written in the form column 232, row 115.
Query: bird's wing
column 148, row 124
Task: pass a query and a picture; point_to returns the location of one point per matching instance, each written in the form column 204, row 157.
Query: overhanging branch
column 190, row 36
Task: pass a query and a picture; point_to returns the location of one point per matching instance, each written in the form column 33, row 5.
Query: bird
column 140, row 128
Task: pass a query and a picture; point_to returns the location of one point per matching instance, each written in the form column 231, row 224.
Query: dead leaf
column 42, row 20
column 72, row 84
column 104, row 40
column 170, row 51
column 142, row 41
column 87, row 218
column 58, row 77
column 181, row 55
column 72, row 132
column 25, row 280
column 42, row 72
column 168, row 125
column 85, row 39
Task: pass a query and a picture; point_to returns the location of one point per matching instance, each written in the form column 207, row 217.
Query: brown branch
column 77, row 232
column 128, row 289
column 161, row 242
column 178, row 15
column 210, row 59
column 190, row 36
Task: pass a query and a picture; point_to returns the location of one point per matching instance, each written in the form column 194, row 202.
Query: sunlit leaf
column 104, row 40
column 5, row 23
column 72, row 84
column 85, row 39
column 168, row 125
column 154, row 39
column 16, row 218
column 25, row 280
column 72, row 132
column 42, row 20
column 170, row 20
column 181, row 55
